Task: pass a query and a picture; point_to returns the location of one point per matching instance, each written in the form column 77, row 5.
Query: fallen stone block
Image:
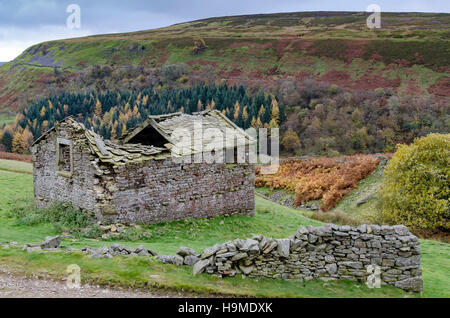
column 239, row 256
column 190, row 260
column 186, row 251
column 200, row 266
column 51, row 242
column 207, row 252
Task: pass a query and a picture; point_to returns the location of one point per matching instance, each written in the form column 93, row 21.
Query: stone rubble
column 50, row 243
column 54, row 244
column 7, row 245
column 116, row 250
column 184, row 256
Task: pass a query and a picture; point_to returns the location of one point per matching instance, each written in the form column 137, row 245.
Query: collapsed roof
column 188, row 134
column 157, row 139
column 108, row 151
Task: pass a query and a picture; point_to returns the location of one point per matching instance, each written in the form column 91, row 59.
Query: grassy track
column 271, row 219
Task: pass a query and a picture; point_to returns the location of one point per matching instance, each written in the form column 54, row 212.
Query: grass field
column 271, row 219
column 16, row 166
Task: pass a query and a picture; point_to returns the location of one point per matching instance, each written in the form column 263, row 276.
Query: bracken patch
column 325, row 179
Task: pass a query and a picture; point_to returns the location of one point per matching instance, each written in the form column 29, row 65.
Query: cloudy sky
column 27, row 22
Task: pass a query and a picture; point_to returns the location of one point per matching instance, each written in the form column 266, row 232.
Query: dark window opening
column 65, row 160
column 149, row 137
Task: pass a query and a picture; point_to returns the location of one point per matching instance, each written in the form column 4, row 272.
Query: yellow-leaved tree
column 416, row 184
column 291, row 141
column 18, row 143
column 98, row 109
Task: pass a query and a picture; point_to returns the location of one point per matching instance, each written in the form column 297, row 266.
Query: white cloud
column 13, row 41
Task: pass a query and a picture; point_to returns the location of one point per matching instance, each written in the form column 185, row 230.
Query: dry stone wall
column 164, row 191
column 328, row 252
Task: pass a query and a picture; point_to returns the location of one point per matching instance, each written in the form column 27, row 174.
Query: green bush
column 415, row 189
column 64, row 217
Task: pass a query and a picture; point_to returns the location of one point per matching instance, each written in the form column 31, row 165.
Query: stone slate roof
column 123, row 152
column 167, row 124
column 111, row 152
column 116, row 154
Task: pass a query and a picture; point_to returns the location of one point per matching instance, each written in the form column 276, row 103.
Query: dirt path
column 12, row 286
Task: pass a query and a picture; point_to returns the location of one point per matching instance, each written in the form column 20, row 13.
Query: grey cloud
column 121, row 13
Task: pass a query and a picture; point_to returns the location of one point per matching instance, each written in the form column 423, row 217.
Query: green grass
column 367, row 212
column 15, row 188
column 201, row 233
column 16, row 166
column 271, row 219
column 165, row 238
column 142, row 272
column 435, row 260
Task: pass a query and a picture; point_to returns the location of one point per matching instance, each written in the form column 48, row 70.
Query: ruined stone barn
column 140, row 179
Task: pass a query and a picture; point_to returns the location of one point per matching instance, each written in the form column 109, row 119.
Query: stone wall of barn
column 52, row 186
column 366, row 253
column 164, row 191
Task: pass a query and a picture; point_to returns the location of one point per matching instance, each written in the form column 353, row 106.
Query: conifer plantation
column 112, row 113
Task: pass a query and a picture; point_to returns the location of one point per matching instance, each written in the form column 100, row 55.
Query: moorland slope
column 410, row 55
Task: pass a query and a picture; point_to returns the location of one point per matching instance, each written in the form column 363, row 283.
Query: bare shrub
column 15, row 156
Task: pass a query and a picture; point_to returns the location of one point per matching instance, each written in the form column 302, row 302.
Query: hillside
column 409, row 55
